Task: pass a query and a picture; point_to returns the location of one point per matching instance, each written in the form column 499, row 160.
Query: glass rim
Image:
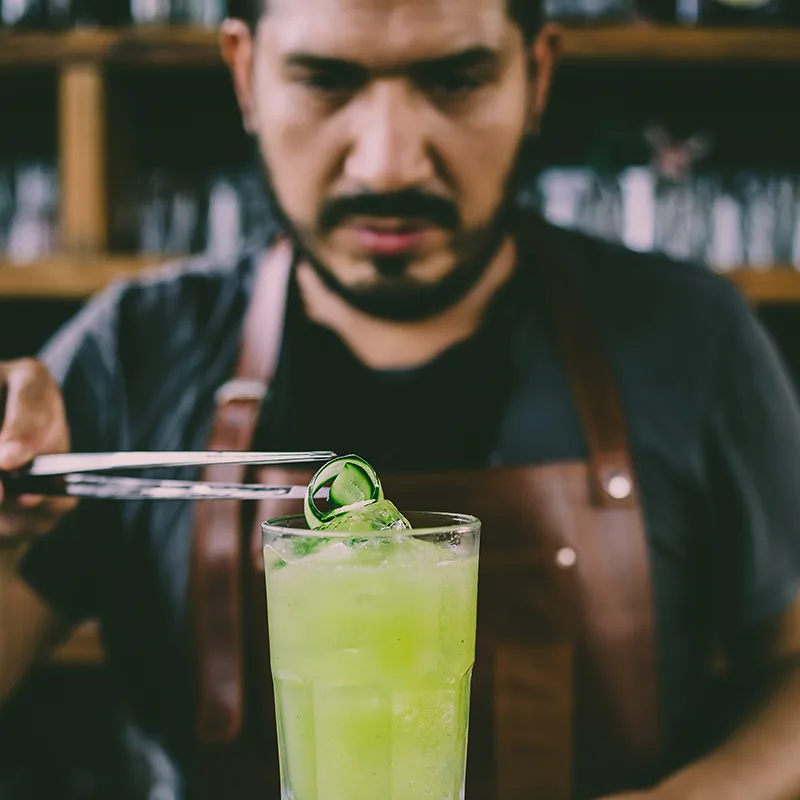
column 457, row 522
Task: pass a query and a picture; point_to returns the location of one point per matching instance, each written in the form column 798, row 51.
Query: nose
column 390, row 150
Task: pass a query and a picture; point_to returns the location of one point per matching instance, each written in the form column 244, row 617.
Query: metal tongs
column 84, row 475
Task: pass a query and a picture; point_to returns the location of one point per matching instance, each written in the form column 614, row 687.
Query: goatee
column 395, row 298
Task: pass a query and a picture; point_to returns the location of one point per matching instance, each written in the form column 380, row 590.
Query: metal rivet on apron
column 619, row 487
column 566, row 558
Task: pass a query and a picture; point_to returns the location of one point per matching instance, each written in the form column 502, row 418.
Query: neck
column 386, row 344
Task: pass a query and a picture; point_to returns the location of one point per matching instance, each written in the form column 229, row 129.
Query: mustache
column 406, row 204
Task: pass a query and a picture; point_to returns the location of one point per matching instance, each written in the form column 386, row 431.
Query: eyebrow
column 470, row 58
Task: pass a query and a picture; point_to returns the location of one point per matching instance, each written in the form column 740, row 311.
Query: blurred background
column 674, row 127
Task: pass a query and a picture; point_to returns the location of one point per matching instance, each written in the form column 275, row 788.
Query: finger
column 14, row 453
column 33, row 410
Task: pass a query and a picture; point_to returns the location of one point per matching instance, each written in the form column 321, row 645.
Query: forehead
column 384, row 31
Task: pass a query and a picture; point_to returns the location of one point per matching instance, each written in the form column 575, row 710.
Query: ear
column 544, row 55
column 236, row 44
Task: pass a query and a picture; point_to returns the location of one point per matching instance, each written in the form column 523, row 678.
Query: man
column 395, row 133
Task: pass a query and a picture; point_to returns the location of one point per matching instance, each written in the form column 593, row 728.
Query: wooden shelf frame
column 175, row 46
column 69, row 278
column 87, row 155
column 75, row 278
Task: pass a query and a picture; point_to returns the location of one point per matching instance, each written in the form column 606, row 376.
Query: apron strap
column 216, row 595
column 589, row 370
column 216, row 589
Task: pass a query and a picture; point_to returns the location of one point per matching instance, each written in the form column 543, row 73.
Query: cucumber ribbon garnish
column 354, row 485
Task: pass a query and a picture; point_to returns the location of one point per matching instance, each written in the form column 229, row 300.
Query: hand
column 32, row 423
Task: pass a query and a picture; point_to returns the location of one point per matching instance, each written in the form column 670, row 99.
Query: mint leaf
column 306, row 545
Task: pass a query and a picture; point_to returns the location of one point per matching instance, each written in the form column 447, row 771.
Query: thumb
column 13, row 454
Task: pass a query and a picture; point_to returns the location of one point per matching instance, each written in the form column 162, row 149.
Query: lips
column 389, row 237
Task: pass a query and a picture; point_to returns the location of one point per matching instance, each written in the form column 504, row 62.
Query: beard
column 394, row 297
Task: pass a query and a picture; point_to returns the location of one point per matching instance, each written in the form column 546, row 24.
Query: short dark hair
column 526, row 13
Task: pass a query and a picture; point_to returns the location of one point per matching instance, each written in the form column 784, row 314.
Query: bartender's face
column 390, row 129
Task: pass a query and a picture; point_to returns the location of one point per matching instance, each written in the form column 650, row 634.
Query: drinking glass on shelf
column 203, row 13
column 144, row 12
column 224, row 233
column 684, row 215
column 767, row 227
column 587, row 10
column 558, row 192
column 32, row 231
column 601, row 208
column 726, row 250
column 785, row 195
column 169, row 215
column 153, row 214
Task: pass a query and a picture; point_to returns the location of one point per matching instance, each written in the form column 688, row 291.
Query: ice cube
column 380, row 516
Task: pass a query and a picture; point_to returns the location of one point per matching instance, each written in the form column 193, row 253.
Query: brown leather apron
column 565, row 693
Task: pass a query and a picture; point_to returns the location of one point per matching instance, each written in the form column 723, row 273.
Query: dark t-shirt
column 713, row 421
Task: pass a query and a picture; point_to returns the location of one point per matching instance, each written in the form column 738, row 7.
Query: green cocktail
column 372, row 638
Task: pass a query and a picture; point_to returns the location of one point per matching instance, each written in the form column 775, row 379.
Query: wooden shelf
column 144, row 46
column 769, row 286
column 188, row 47
column 675, row 44
column 74, row 278
column 68, row 278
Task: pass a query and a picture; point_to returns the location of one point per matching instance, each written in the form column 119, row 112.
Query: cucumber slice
column 351, row 485
column 367, row 483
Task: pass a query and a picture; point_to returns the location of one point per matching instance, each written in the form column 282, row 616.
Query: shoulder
column 646, row 297
column 160, row 308
column 653, row 280
column 197, row 280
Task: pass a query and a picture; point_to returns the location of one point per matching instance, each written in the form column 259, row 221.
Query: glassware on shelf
column 600, row 208
column 201, row 13
column 770, row 218
column 224, row 234
column 558, row 193
column 787, row 202
column 145, row 12
column 32, row 230
column 23, row 13
column 683, row 217
column 726, row 221
column 726, row 248
column 759, row 220
column 638, row 184
column 214, row 215
column 169, row 215
column 590, row 10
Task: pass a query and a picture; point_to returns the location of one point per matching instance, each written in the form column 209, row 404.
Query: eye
column 452, row 84
column 333, row 84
